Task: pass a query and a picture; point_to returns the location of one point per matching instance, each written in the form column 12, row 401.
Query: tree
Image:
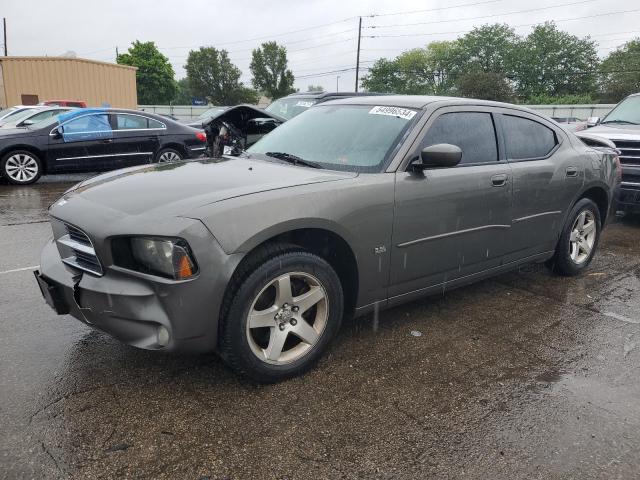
column 269, row 69
column 490, row 48
column 418, row 71
column 556, row 63
column 315, row 88
column 183, row 94
column 485, row 86
column 620, row 72
column 155, row 76
column 211, row 75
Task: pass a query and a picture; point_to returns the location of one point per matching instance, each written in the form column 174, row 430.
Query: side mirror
column 441, row 155
column 26, row 123
column 57, row 131
column 593, row 121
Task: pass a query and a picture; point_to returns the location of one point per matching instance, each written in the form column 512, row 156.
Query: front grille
column 77, row 235
column 77, row 250
column 629, row 152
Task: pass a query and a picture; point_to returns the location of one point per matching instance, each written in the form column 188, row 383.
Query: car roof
column 416, row 101
column 321, row 95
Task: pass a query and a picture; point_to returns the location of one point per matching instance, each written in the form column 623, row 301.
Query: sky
column 320, row 36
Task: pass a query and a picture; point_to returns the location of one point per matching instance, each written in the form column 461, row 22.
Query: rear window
column 527, row 139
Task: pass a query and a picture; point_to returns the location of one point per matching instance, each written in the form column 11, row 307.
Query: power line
column 512, row 26
column 483, row 16
column 410, row 12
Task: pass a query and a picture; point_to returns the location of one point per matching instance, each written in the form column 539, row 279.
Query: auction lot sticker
column 393, row 112
column 302, row 103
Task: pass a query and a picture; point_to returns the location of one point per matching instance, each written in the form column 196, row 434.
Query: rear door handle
column 499, row 180
column 108, row 140
column 572, row 172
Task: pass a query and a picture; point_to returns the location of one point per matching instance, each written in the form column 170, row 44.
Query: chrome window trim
column 164, row 125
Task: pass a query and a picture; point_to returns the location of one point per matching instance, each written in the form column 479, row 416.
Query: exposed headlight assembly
column 164, row 257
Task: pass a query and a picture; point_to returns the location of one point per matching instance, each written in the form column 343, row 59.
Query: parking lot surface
column 524, row 376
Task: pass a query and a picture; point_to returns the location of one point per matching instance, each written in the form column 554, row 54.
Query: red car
column 65, row 103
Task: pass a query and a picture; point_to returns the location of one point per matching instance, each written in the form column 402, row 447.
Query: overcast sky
column 93, row 29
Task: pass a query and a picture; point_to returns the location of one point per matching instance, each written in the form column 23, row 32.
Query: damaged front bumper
column 155, row 315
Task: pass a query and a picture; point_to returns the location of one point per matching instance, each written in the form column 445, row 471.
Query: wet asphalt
column 524, row 376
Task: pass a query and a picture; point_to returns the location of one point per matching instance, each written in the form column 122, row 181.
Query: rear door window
column 473, row 132
column 131, row 122
column 527, row 139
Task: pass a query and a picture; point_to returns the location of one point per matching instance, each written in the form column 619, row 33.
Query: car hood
column 617, row 132
column 174, row 189
column 238, row 115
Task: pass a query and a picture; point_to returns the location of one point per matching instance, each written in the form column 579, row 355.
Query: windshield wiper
column 294, row 159
column 625, row 122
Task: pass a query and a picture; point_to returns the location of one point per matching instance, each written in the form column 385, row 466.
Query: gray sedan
column 354, row 205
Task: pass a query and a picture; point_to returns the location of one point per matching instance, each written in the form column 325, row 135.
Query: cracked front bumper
column 137, row 309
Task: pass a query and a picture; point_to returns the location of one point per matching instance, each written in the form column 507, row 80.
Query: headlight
column 165, row 257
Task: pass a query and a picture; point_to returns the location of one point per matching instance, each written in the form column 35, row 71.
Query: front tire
column 21, row 167
column 282, row 317
column 578, row 240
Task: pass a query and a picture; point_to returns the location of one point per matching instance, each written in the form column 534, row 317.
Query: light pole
column 337, row 78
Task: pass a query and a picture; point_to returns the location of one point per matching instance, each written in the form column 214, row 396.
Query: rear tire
column 282, row 316
column 578, row 240
column 21, row 167
column 169, row 155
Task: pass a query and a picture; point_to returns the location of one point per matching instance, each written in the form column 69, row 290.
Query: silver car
column 354, row 205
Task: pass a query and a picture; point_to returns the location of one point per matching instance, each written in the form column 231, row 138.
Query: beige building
column 29, row 80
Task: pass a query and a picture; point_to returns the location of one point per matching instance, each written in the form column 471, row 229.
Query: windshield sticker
column 302, row 103
column 393, row 112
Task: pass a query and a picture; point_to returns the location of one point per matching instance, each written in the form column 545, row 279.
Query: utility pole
column 358, row 54
column 337, row 87
column 4, row 30
column 116, row 54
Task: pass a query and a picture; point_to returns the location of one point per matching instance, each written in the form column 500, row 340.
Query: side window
column 44, row 115
column 473, row 132
column 154, row 123
column 526, row 138
column 131, row 122
column 87, row 124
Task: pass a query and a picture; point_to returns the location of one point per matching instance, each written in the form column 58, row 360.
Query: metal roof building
column 29, row 80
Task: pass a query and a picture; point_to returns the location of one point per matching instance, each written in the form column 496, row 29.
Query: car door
column 135, row 139
column 546, row 177
column 450, row 223
column 81, row 143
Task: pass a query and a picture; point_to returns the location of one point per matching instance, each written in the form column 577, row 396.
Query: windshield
column 211, row 112
column 355, row 138
column 5, row 112
column 18, row 117
column 10, row 113
column 627, row 111
column 288, row 107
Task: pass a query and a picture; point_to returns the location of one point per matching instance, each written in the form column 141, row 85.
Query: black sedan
column 91, row 140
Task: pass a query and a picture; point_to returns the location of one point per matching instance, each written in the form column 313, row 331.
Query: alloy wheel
column 583, row 237
column 21, row 167
column 168, row 157
column 287, row 318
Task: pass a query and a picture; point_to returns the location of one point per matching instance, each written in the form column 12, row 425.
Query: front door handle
column 572, row 172
column 108, row 140
column 499, row 180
